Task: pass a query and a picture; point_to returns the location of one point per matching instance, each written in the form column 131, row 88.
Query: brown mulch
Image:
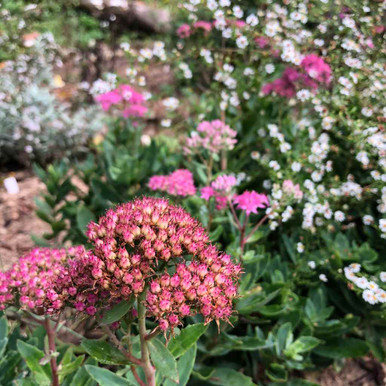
column 354, row 372
column 18, row 219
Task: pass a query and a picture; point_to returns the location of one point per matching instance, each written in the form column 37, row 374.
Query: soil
column 354, row 372
column 18, row 219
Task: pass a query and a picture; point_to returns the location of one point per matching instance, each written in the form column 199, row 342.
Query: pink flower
column 284, row 86
column 207, row 192
column 262, row 41
column 108, row 99
column 205, row 25
column 250, row 201
column 221, row 189
column 213, row 136
column 316, row 68
column 178, row 183
column 290, row 188
column 157, row 226
column 29, row 282
column 134, row 111
column 130, row 101
column 224, row 183
column 184, row 31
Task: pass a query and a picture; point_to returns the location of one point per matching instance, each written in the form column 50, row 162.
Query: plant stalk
column 52, row 350
column 146, row 365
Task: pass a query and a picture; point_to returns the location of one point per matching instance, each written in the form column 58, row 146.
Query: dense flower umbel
column 213, row 136
column 207, row 285
column 130, row 245
column 75, row 284
column 28, row 283
column 220, row 189
column 131, row 102
column 251, row 201
column 178, row 183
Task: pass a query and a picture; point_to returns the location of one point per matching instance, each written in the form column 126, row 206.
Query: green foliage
column 119, row 170
column 163, row 360
column 103, row 352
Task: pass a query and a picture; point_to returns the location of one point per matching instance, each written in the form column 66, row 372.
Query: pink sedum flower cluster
column 178, row 183
column 130, row 102
column 129, row 245
column 220, row 189
column 315, row 72
column 28, row 283
column 213, row 136
column 250, row 201
column 207, row 285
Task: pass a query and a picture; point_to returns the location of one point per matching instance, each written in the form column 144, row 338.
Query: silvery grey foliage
column 34, row 124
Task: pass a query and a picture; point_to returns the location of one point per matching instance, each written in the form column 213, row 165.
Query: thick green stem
column 146, row 365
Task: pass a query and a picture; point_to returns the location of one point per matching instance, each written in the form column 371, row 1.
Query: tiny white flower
column 339, row 216
column 369, row 297
column 252, row 20
column 269, row 68
column 296, row 166
column 368, row 220
column 238, row 12
column 382, row 276
column 241, row 42
column 300, row 247
column 312, row 264
column 166, row 122
column 361, row 282
column 323, row 277
column 145, row 140
column 355, row 267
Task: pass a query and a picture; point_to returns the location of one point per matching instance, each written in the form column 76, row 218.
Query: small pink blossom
column 213, row 136
column 250, row 201
column 184, row 31
column 316, row 68
column 129, row 101
column 204, row 25
column 290, row 188
column 178, row 183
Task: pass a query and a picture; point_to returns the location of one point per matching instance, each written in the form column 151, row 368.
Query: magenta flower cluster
column 313, row 72
column 220, row 189
column 130, row 102
column 250, row 201
column 207, row 285
column 178, row 183
column 130, row 245
column 213, row 136
column 28, row 283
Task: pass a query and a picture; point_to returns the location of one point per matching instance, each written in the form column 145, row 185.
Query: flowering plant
column 276, row 145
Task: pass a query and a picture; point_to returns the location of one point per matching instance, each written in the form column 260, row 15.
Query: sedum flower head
column 213, row 136
column 143, row 245
column 178, row 183
column 28, row 283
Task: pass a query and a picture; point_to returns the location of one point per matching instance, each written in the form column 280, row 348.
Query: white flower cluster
column 372, row 292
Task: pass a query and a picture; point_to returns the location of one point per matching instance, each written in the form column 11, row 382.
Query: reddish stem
column 136, row 376
column 52, row 351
